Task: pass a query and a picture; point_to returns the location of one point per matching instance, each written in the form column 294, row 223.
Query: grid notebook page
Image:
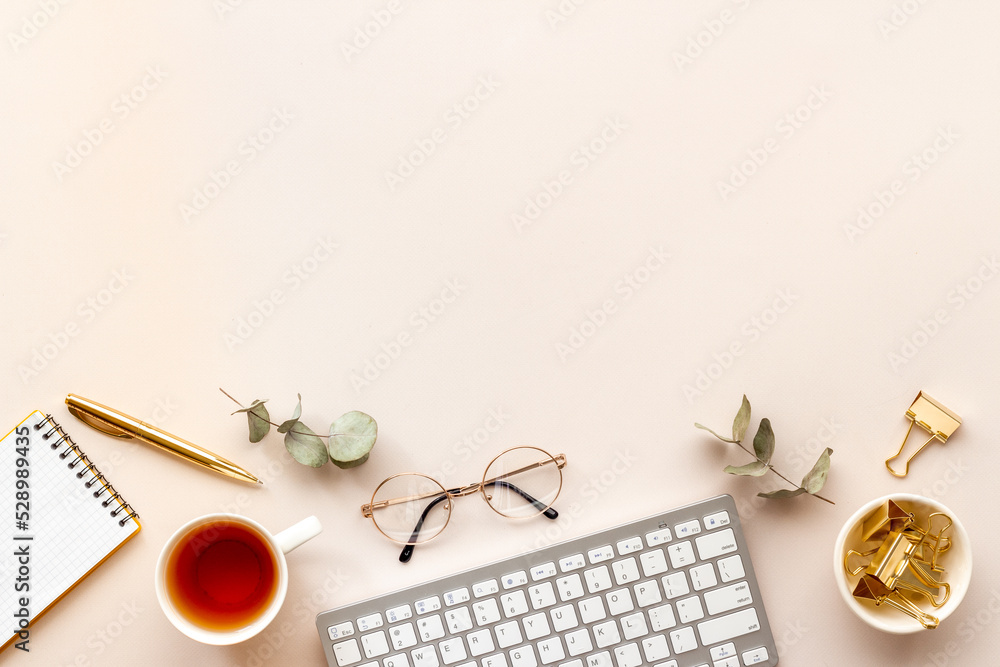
column 58, row 522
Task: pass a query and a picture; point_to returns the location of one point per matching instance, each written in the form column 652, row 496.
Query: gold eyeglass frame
column 368, row 509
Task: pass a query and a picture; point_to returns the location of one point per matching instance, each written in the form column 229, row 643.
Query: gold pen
column 119, row 425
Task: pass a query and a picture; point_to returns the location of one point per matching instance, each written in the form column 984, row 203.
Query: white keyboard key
column 425, row 656
column 398, row 660
column 662, row 618
column 564, row 618
column 591, row 609
column 634, row 625
column 626, row 571
column 687, row 529
column 403, row 636
column 619, row 601
column 480, row 642
column 430, row 628
column 683, row 640
column 723, row 651
column 542, row 595
column 658, row 537
column 514, row 579
column 495, row 660
column 606, row 634
column 727, row 662
column 550, row 650
column 458, row 620
column 347, row 652
column 726, row 627
column 397, row 614
column 340, row 631
column 570, row 563
column 681, row 554
column 728, row 598
column 628, row 655
column 457, row 596
column 647, row 593
column 716, row 544
column 508, row 634
column 514, row 604
column 675, row 585
column 375, row 644
column 598, row 579
column 668, row 663
column 484, row 588
column 602, row 659
column 655, row 648
column 535, row 626
column 631, row 545
column 755, row 657
column 452, row 650
column 653, row 563
column 703, row 577
column 717, row 520
column 600, row 554
column 543, row 571
column 578, row 642
column 369, row 622
column 573, row 663
column 486, row 612
column 570, row 588
column 428, row 605
column 689, row 609
column 731, row 568
column 522, row 657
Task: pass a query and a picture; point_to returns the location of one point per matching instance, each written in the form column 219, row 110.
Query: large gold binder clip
column 870, row 588
column 931, row 416
column 897, row 565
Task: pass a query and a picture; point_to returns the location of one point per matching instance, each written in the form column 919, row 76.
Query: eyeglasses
column 411, row 508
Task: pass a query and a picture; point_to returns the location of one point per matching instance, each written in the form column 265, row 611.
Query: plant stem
column 272, row 423
column 771, row 467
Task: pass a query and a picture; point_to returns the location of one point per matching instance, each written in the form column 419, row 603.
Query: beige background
column 150, row 253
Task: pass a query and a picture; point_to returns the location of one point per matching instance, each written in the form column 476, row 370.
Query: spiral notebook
column 59, row 519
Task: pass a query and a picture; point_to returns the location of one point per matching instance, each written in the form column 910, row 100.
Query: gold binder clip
column 934, row 418
column 896, row 558
column 870, row 588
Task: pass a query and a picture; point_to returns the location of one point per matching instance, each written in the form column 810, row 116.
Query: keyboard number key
column 626, row 571
column 403, row 636
column 570, row 588
column 430, row 628
column 374, row 644
column 598, row 579
column 458, row 620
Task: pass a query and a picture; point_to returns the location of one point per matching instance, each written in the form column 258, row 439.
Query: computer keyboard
column 672, row 590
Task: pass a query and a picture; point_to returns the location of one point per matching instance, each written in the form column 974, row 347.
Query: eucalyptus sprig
column 352, row 435
column 763, row 449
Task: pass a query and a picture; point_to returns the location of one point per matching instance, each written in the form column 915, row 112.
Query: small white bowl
column 957, row 563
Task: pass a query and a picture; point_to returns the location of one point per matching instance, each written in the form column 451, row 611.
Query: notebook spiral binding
column 96, row 476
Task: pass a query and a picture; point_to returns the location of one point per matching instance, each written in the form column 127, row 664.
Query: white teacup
column 221, row 578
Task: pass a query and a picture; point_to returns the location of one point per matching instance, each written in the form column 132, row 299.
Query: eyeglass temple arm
column 407, row 553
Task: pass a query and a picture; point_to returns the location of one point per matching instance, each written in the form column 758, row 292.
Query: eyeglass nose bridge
column 465, row 490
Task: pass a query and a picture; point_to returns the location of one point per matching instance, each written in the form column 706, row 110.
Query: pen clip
column 96, row 423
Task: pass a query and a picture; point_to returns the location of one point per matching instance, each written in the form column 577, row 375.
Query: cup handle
column 299, row 534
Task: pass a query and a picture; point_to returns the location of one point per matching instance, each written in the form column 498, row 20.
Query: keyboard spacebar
column 727, row 627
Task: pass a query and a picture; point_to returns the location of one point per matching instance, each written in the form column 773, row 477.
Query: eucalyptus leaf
column 815, row 479
column 763, row 442
column 258, row 421
column 304, row 445
column 755, row 469
column 782, row 493
column 287, row 424
column 298, row 408
column 705, row 428
column 352, row 436
column 742, row 420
